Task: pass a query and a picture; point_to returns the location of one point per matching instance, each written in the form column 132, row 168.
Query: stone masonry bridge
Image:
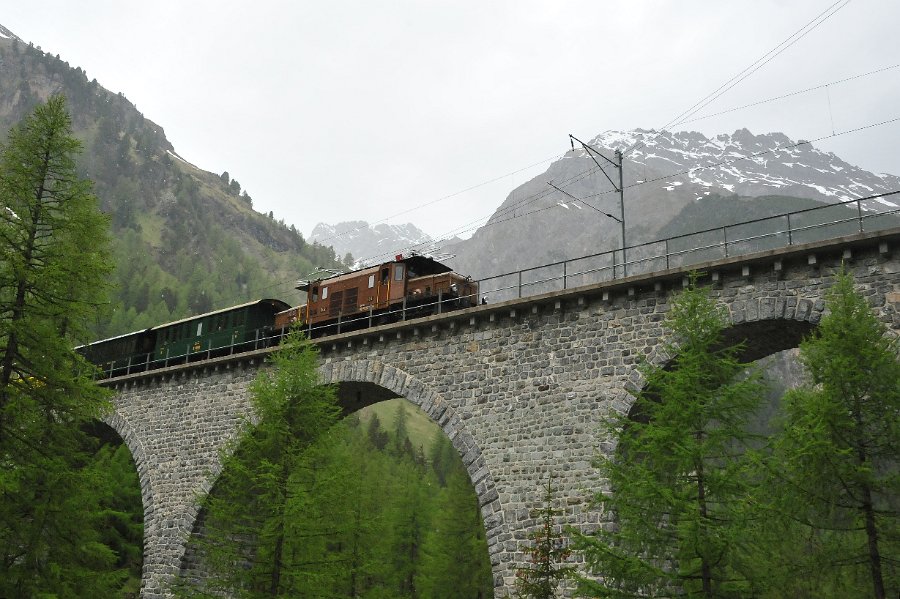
column 519, row 386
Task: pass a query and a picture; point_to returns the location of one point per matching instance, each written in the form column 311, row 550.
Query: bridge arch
column 361, row 383
column 132, row 440
column 761, row 336
column 355, row 376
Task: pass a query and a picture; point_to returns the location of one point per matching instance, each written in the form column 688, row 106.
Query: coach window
column 398, row 272
column 199, row 328
column 371, row 281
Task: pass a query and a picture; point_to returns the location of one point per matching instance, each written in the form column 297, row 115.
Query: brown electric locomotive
column 403, row 288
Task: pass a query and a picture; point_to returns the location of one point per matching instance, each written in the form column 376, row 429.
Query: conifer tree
column 249, row 513
column 835, row 470
column 541, row 578
column 675, row 517
column 453, row 559
column 53, row 263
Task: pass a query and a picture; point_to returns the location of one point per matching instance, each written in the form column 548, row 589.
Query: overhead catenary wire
column 752, row 68
column 437, row 200
column 545, row 192
column 759, row 63
column 699, row 105
column 702, row 167
column 788, row 95
column 685, row 116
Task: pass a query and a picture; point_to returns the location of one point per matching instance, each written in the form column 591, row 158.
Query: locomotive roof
column 421, row 265
column 278, row 304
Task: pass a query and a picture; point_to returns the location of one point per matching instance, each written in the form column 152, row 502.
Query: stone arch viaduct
column 520, row 386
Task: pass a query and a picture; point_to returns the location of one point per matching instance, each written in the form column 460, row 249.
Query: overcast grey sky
column 332, row 111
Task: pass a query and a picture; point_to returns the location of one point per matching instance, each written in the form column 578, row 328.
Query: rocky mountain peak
column 369, row 243
column 743, row 163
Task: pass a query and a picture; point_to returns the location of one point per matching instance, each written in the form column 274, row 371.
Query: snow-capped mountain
column 6, row 33
column 367, row 243
column 745, row 164
column 664, row 174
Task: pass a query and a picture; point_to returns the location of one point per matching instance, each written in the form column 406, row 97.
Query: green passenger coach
column 223, row 329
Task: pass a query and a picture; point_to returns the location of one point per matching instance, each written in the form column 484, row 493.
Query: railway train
column 400, row 289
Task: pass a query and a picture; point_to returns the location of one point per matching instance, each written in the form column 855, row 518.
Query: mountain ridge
column 185, row 240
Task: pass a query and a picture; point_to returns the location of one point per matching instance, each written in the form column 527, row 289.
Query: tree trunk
column 18, row 307
column 705, row 570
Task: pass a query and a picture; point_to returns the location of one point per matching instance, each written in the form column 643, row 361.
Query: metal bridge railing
column 782, row 230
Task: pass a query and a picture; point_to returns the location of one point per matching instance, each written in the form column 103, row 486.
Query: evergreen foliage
column 832, row 483
column 541, row 578
column 54, row 263
column 249, row 524
column 367, row 520
column 676, row 520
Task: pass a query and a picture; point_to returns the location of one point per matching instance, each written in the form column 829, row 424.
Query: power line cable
column 544, row 193
column 752, row 68
column 504, row 211
column 788, row 95
column 759, row 63
column 682, row 118
column 755, row 66
column 715, row 165
column 440, row 199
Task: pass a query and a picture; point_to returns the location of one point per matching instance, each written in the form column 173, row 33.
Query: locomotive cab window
column 199, row 328
column 315, row 294
column 324, row 292
column 398, row 272
column 371, row 281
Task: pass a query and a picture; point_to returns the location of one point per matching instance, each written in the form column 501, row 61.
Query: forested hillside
column 186, row 241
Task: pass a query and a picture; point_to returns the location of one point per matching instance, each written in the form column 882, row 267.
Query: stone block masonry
column 519, row 387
